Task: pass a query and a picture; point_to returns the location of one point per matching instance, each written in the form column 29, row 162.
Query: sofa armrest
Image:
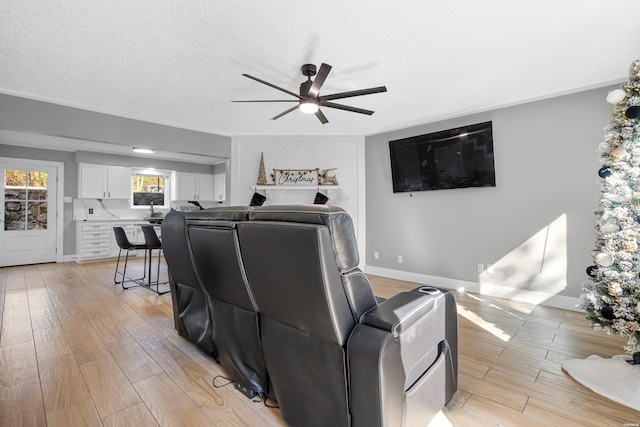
column 402, row 311
column 393, row 351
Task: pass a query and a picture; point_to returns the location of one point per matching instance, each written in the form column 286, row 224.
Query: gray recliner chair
column 334, row 356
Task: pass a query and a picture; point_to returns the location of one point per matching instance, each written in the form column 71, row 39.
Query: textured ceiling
column 181, row 63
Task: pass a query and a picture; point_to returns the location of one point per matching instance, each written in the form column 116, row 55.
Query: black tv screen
column 454, row 158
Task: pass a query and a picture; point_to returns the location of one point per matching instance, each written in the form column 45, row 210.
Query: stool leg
column 158, row 273
column 150, row 262
column 115, row 275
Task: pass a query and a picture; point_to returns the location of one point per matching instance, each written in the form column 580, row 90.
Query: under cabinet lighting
column 142, row 150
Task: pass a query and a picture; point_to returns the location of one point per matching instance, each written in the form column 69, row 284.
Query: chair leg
column 124, row 271
column 144, row 266
column 115, row 275
column 150, row 280
column 150, row 262
column 158, row 273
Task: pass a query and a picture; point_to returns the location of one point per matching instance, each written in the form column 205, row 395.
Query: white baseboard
column 521, row 295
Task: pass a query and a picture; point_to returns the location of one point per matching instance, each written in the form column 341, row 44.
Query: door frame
column 59, row 202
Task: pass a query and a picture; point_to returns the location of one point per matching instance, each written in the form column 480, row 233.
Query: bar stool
column 124, row 244
column 153, row 242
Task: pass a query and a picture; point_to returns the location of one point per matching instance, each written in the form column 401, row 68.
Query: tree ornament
column 632, row 112
column 607, row 313
column 625, row 221
column 608, row 228
column 592, row 270
column 614, row 289
column 604, row 172
column 616, row 96
column 618, row 154
column 604, row 260
column 630, row 244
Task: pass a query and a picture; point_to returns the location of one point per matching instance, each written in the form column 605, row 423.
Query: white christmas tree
column 612, row 294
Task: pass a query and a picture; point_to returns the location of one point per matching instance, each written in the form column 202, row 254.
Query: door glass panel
column 37, row 214
column 25, row 195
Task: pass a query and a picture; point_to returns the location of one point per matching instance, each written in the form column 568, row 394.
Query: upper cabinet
column 192, row 186
column 104, row 182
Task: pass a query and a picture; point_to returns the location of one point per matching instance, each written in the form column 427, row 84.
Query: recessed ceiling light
column 142, row 150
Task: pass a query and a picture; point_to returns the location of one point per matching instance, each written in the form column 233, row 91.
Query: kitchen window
column 150, row 186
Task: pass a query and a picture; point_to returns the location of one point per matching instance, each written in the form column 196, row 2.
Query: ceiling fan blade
column 347, row 108
column 285, row 112
column 319, row 80
column 270, row 100
column 321, row 117
column 273, row 86
column 353, row 93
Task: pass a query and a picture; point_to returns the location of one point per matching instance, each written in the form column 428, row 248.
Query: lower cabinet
column 96, row 240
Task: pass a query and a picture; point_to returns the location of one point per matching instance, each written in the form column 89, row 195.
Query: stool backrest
column 121, row 238
column 151, row 238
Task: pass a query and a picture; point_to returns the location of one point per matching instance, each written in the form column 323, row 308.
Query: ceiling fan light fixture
column 142, row 150
column 309, row 107
column 309, row 99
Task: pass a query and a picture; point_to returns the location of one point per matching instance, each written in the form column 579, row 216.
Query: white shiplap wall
column 346, row 153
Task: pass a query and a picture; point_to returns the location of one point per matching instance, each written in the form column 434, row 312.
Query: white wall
column 346, row 153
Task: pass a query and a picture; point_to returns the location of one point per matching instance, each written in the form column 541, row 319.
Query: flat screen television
column 453, row 158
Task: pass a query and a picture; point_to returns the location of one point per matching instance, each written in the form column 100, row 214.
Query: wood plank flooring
column 77, row 350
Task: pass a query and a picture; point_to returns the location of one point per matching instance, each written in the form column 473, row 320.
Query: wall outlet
column 90, row 211
column 480, row 268
column 68, row 199
column 376, row 255
column 399, row 259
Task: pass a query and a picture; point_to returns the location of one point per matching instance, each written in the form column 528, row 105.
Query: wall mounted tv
column 454, row 158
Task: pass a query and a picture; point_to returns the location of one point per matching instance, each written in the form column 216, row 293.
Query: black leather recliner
column 333, row 354
column 217, row 260
column 191, row 314
column 210, row 243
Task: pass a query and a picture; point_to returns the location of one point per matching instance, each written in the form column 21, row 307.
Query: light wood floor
column 77, row 350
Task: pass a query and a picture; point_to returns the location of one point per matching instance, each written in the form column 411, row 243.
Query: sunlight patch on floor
column 440, row 420
column 489, row 327
column 492, row 305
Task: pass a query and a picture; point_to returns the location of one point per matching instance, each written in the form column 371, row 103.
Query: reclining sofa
column 274, row 293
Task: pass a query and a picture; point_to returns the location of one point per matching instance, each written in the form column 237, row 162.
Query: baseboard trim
column 520, row 295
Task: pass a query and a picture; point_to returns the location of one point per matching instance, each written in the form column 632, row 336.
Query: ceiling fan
column 309, row 99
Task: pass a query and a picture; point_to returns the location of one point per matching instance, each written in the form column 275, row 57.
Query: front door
column 28, row 234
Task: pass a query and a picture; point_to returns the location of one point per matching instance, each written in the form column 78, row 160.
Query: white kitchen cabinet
column 219, row 187
column 104, row 182
column 192, row 186
column 93, row 240
column 96, row 240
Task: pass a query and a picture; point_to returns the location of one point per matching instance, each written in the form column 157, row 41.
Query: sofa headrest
column 335, row 218
column 224, row 213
